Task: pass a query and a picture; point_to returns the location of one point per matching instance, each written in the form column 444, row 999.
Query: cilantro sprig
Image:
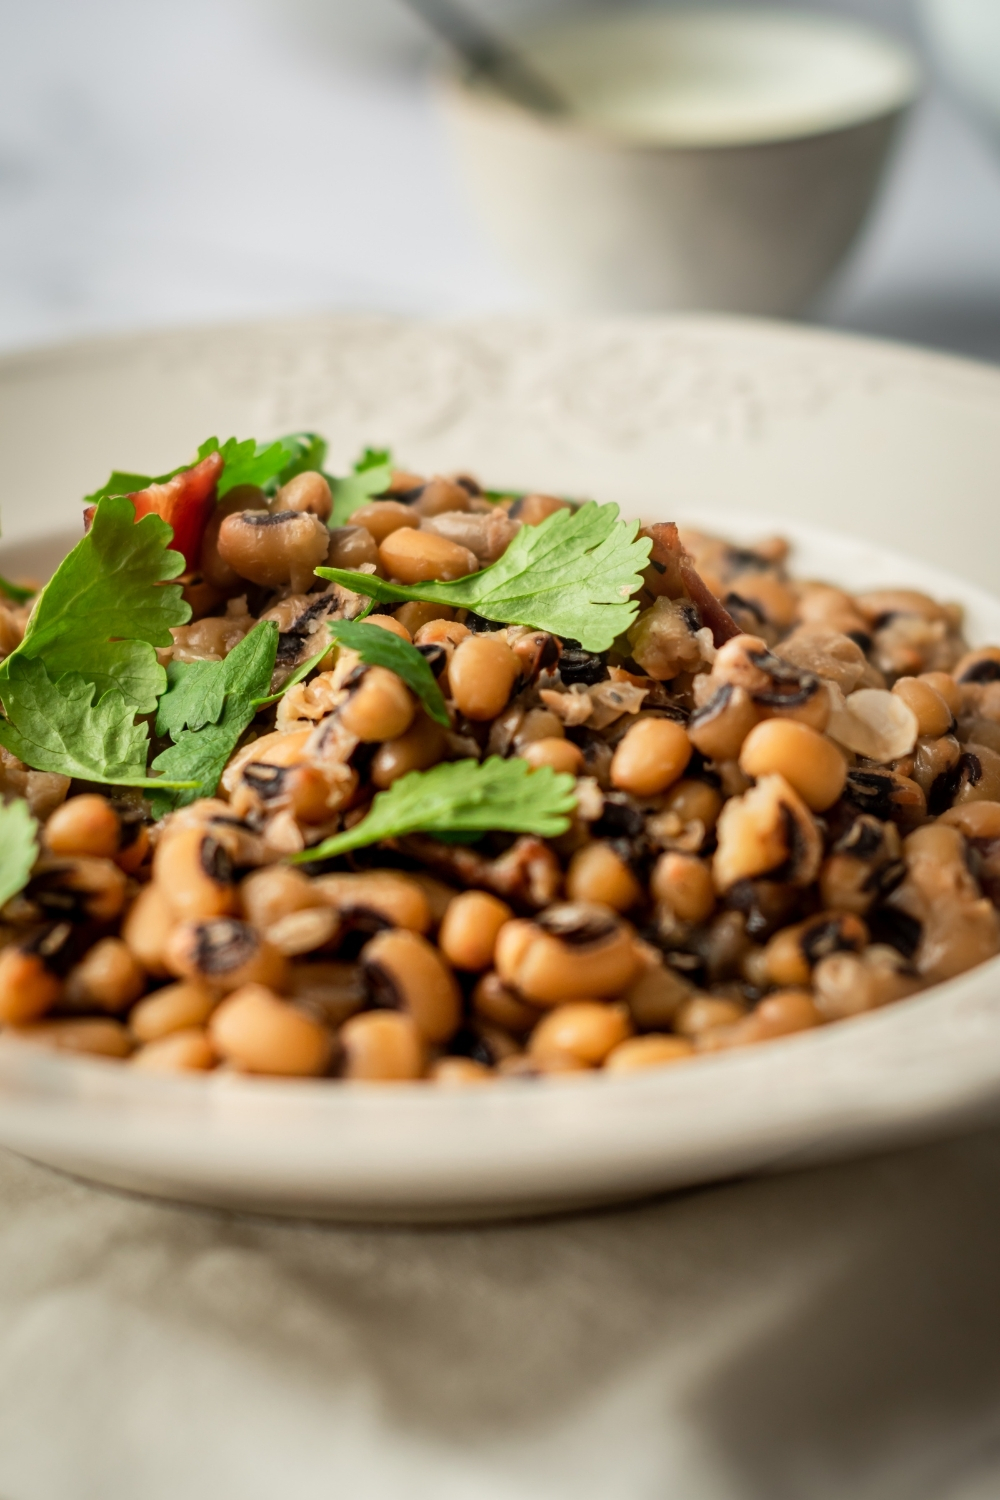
column 574, row 575
column 266, row 465
column 107, row 606
column 381, row 648
column 18, row 847
column 371, row 476
column 461, row 797
column 205, row 711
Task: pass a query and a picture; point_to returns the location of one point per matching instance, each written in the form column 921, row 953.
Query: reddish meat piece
column 676, row 576
column 184, row 502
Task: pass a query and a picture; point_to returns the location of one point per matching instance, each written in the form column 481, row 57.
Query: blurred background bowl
column 720, row 159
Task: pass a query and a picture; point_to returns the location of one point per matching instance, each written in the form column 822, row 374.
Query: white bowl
column 715, row 159
column 739, row 425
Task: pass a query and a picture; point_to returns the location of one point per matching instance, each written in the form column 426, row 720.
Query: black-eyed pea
column 352, row 548
column 416, row 613
column 147, row 927
column 655, row 998
column 587, row 1030
column 303, row 932
column 382, row 517
column 469, row 930
column 809, row 762
column 387, row 896
column 382, row 1046
column 946, row 687
column 683, row 884
column 650, row 756
column 934, row 717
column 224, row 954
column 108, row 977
column 187, row 1051
column 380, row 706
column 275, row 891
column 134, row 850
column 720, row 726
column 274, row 547
column 980, row 775
column 692, row 800
column 96, row 889
column 308, row 491
column 421, row 747
column 532, row 510
column 704, row 1013
column 459, row 1072
column 572, row 949
column 650, row 1051
column 405, row 972
column 440, row 495
column 28, row 985
column 90, row 1035
column 768, row 828
column 977, row 820
column 194, row 871
column 390, row 623
column 424, row 557
column 498, row 1005
column 438, row 894
column 598, row 873
column 84, row 825
column 782, row 1014
column 258, row 1032
column 482, row 674
column 441, row 632
column 559, row 754
column 176, row 1007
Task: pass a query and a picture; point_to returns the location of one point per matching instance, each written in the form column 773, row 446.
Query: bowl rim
column 460, row 89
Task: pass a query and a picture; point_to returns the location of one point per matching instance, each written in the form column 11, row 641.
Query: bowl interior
column 721, row 77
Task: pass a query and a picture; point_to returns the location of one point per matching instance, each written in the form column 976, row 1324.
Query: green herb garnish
column 105, row 608
column 15, row 592
column 573, row 575
column 57, row 726
column 371, row 476
column 206, row 709
column 266, row 465
column 381, row 648
column 18, row 847
column 461, row 797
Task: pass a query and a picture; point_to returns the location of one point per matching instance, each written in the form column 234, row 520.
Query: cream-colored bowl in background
column 712, row 159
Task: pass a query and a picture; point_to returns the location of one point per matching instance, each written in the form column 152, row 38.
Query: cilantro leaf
column 265, row 464
column 206, row 709
column 105, row 608
column 371, row 476
column 18, row 847
column 380, row 648
column 462, row 797
column 574, row 575
column 15, row 592
column 56, row 726
column 301, row 671
column 308, row 452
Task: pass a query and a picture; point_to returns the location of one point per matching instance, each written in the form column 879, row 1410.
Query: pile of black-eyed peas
column 790, row 828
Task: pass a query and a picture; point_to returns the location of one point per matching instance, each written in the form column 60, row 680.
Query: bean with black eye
column 683, row 884
column 147, row 926
column 598, row 873
column 482, row 674
column 260, row 1033
column 382, row 1046
column 351, row 547
column 29, row 984
column 108, row 977
column 83, row 888
column 195, row 873
column 652, row 755
column 497, row 1004
column 216, row 572
column 308, row 491
column 532, row 510
column 376, row 899
column 769, row 828
column 224, row 954
column 381, row 518
column 719, row 728
column 440, row 495
column 380, row 706
column 979, row 775
column 469, row 930
column 275, row 891
column 84, row 825
column 792, row 953
column 421, row 557
column 934, row 717
column 276, row 547
column 405, row 972
column 572, row 950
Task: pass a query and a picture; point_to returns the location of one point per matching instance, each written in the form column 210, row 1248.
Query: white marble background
column 214, row 159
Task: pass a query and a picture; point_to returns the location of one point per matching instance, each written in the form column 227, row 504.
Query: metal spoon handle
column 490, row 55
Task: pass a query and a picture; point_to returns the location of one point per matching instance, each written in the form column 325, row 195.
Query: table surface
column 827, row 1334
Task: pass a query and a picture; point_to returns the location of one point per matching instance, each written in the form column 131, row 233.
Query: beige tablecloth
column 834, row 1333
